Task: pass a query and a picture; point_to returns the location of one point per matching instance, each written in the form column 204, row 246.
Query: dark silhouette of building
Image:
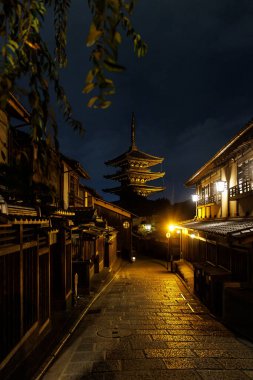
column 56, row 235
column 134, row 172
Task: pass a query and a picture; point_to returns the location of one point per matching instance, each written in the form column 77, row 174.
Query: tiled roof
column 145, row 173
column 134, row 154
column 23, row 219
column 134, row 187
column 232, row 227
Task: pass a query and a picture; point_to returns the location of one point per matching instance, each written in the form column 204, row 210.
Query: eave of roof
column 225, row 150
column 236, row 229
column 133, row 173
column 75, row 166
column 17, row 110
column 133, row 187
column 112, row 207
column 134, row 154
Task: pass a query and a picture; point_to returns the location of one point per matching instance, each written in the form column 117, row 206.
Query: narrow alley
column 147, row 325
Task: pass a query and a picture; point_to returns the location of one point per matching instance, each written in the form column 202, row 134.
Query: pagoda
column 134, row 171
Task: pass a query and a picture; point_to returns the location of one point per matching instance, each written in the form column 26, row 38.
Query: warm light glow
column 220, row 186
column 195, row 197
column 126, row 224
column 147, row 227
column 168, row 235
column 178, row 231
column 192, row 236
column 171, row 227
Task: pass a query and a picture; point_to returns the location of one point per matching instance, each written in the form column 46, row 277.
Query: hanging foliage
column 25, row 55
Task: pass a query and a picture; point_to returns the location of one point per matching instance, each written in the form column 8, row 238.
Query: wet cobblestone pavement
column 146, row 325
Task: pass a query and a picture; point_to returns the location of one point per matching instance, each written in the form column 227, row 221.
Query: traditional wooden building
column 121, row 220
column 219, row 241
column 134, row 171
column 16, row 110
column 46, row 238
column 26, row 245
column 72, row 193
column 224, row 185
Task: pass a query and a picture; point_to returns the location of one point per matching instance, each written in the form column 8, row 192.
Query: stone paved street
column 146, row 325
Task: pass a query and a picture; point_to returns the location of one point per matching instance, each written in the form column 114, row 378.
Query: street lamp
column 220, row 186
column 171, row 227
column 195, row 198
column 126, row 224
column 147, row 227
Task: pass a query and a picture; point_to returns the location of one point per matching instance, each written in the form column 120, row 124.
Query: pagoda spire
column 134, row 171
column 133, row 144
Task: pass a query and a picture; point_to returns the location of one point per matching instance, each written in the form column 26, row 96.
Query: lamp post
column 127, row 226
column 168, row 250
column 179, row 232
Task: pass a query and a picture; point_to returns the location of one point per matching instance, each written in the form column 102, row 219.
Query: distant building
column 134, row 171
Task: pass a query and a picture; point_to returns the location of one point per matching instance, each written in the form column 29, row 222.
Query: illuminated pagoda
column 134, row 172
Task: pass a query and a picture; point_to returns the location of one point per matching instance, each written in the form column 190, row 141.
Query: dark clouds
column 191, row 93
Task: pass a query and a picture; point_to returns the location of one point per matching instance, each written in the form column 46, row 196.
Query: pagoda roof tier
column 129, row 174
column 139, row 189
column 136, row 157
column 134, row 172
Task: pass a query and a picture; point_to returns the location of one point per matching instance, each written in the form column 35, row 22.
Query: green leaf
column 11, row 60
column 88, row 88
column 105, row 104
column 9, row 46
column 14, row 44
column 89, row 77
column 93, row 36
column 92, row 101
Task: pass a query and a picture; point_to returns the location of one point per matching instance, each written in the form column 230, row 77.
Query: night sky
column 190, row 94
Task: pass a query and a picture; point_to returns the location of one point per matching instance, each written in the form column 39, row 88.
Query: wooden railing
column 22, row 211
column 215, row 198
column 243, row 188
